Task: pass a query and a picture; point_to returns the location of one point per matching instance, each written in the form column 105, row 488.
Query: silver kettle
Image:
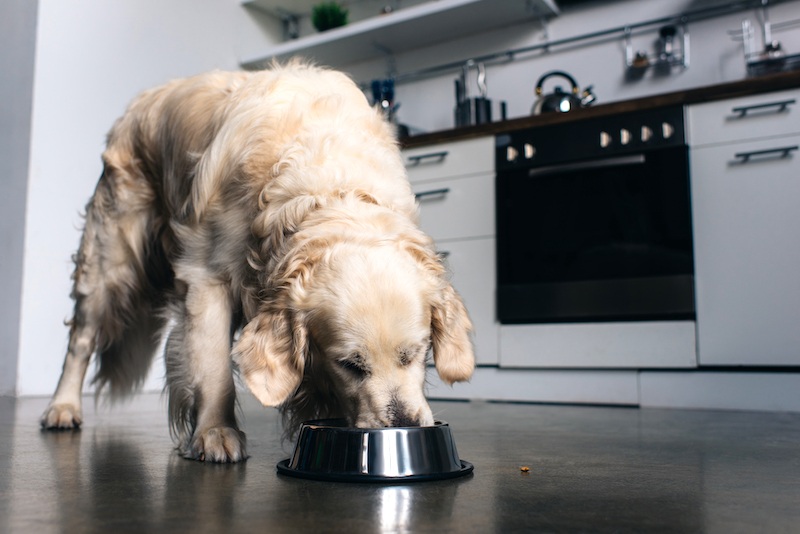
column 560, row 101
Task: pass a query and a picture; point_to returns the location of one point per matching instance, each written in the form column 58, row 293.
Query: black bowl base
column 284, row 469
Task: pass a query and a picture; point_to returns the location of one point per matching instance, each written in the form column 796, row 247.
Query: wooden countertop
column 749, row 86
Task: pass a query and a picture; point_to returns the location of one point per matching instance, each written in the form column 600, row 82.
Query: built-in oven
column 594, row 220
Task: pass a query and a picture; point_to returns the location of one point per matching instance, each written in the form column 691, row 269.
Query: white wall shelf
column 404, row 29
column 305, row 7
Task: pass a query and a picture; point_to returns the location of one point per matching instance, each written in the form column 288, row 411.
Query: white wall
column 92, row 57
column 17, row 40
column 715, row 58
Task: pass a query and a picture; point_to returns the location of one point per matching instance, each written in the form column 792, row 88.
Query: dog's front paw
column 61, row 417
column 217, row 444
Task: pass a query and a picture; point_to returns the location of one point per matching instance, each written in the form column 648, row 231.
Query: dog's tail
column 123, row 365
column 124, row 359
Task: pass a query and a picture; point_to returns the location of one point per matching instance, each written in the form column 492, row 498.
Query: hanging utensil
column 472, row 110
column 483, row 106
column 481, row 80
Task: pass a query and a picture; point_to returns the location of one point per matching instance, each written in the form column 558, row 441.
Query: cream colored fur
column 276, row 203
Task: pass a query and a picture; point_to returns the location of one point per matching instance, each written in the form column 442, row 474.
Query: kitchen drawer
column 457, row 208
column 472, row 272
column 733, row 120
column 447, row 160
column 747, row 253
column 639, row 344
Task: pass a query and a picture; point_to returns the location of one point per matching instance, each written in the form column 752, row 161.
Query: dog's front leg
column 204, row 375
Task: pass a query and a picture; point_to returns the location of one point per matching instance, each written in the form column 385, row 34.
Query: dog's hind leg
column 202, row 396
column 64, row 410
column 107, row 284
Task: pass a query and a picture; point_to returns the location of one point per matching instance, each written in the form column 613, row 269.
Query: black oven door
column 603, row 239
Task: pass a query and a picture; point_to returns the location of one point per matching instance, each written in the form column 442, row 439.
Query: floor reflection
column 123, row 492
column 416, row 507
column 202, row 497
column 100, row 476
column 395, row 508
column 111, row 482
column 369, row 508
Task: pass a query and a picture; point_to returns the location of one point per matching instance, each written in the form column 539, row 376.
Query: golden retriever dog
column 264, row 224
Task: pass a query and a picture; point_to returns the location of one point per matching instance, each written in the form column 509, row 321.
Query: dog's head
column 351, row 333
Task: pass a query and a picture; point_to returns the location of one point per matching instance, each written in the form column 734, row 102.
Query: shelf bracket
column 541, row 16
column 291, row 24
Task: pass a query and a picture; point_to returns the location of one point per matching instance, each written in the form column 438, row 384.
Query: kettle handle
column 556, row 73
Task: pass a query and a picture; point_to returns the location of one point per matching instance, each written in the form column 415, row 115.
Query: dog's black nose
column 398, row 415
column 404, row 419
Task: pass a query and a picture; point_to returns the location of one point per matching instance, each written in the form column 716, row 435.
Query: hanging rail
column 510, row 55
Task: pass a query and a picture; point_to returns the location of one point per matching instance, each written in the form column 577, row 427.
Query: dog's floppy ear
column 450, row 324
column 271, row 355
column 450, row 328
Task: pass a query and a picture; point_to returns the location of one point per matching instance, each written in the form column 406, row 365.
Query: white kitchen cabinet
column 631, row 345
column 752, row 117
column 450, row 160
column 747, row 252
column 720, row 390
column 472, row 272
column 572, row 386
column 455, row 182
column 457, row 208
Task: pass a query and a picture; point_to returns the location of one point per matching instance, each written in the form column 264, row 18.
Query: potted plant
column 328, row 15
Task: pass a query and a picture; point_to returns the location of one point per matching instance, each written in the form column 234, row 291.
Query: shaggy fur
column 275, row 204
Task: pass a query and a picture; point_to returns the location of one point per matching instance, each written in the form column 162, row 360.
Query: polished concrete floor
column 592, row 470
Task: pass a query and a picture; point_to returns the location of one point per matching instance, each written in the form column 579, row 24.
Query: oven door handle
column 602, row 163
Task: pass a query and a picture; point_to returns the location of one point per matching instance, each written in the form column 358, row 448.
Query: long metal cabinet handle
column 781, row 105
column 636, row 159
column 783, row 151
column 432, row 192
column 415, row 160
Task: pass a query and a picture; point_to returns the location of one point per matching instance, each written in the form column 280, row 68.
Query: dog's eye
column 357, row 368
column 405, row 357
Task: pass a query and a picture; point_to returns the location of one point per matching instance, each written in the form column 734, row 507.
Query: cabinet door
column 449, row 160
column 457, row 208
column 472, row 273
column 631, row 345
column 747, row 253
column 750, row 117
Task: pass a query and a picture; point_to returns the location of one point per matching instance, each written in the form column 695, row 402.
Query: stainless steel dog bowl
column 330, row 450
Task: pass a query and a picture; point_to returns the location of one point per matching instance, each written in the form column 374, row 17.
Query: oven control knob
column 529, row 150
column 667, row 130
column 511, row 153
column 624, row 136
column 647, row 133
column 605, row 139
